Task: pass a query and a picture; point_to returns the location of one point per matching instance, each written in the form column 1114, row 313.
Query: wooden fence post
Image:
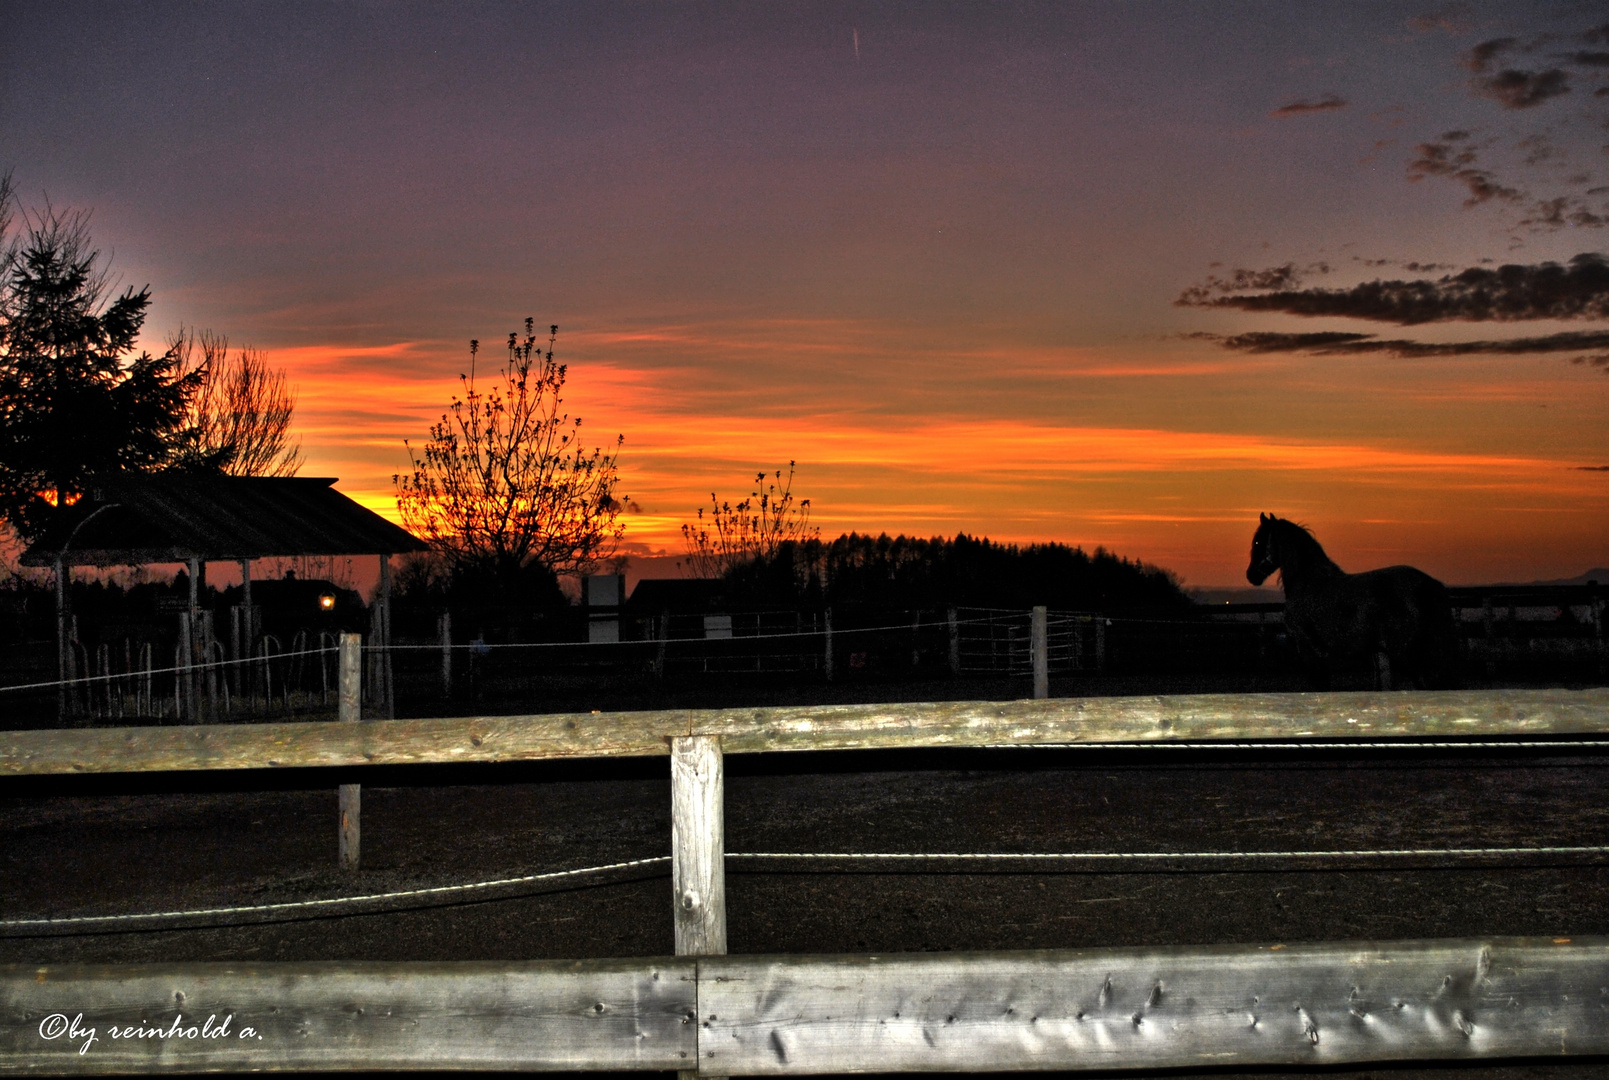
column 1039, row 641
column 698, row 844
column 827, row 656
column 955, row 641
column 444, row 630
column 351, row 709
column 1100, row 643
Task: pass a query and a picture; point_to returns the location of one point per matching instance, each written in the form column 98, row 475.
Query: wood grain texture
column 1057, row 721
column 315, row 744
column 1183, row 718
column 349, row 826
column 698, row 845
column 1303, row 1005
column 349, row 678
column 584, row 1015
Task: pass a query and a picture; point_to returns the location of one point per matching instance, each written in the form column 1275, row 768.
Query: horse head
column 1264, row 550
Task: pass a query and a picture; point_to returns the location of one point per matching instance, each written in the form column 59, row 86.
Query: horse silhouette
column 1392, row 626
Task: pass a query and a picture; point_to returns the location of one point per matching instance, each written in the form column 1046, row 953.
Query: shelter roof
column 174, row 517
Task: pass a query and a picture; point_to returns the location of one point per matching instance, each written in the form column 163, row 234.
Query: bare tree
column 505, row 480
column 239, row 419
column 754, row 528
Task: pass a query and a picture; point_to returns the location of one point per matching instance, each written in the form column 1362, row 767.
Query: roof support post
column 63, row 646
column 241, row 632
column 192, row 652
column 388, row 700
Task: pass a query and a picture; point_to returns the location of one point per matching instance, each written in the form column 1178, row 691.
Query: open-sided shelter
column 195, row 519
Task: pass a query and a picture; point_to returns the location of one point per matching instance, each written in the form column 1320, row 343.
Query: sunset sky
column 933, row 252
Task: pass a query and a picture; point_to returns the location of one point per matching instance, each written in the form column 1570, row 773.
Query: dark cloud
column 1601, row 361
column 1452, row 19
column 1592, row 468
column 1578, row 290
column 1298, row 108
column 1589, row 59
column 1598, row 35
column 1454, row 157
column 1335, row 344
column 1523, row 89
column 1479, row 59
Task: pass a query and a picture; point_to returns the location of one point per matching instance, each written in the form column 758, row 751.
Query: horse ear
column 1262, row 517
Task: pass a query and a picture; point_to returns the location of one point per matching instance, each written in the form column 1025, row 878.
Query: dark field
column 79, row 847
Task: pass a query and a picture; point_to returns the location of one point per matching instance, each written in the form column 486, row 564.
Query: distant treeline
column 908, row 572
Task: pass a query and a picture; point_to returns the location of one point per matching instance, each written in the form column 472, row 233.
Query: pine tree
column 76, row 404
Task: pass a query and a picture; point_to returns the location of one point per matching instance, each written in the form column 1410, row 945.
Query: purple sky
column 930, row 251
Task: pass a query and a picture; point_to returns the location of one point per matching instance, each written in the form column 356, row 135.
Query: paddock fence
column 705, row 1013
column 239, row 671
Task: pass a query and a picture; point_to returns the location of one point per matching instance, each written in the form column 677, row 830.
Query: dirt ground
column 90, row 847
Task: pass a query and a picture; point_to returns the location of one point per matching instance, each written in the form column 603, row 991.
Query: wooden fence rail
column 1320, row 1004
column 1052, row 722
column 1297, row 1005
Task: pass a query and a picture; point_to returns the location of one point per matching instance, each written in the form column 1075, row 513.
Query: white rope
column 455, row 894
column 330, row 905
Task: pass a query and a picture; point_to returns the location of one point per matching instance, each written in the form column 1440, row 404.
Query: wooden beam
column 349, row 668
column 1054, row 722
column 698, row 845
column 1239, row 1006
column 317, row 744
column 589, row 1014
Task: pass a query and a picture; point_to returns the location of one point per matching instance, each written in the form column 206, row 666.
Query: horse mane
column 1301, row 538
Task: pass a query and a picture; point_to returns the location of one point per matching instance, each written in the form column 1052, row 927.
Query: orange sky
column 1388, row 462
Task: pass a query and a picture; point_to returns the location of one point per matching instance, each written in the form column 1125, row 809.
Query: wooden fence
column 705, row 1013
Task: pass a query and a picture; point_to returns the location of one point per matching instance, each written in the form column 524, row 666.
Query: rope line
column 450, row 895
column 1188, row 856
column 331, row 904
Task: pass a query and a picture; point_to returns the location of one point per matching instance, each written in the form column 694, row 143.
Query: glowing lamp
column 326, row 601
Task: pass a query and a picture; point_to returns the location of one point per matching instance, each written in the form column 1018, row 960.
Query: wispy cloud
column 1345, row 344
column 1327, row 103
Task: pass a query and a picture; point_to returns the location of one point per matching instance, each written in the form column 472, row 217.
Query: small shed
column 195, row 519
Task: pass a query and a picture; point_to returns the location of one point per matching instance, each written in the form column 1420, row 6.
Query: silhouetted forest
column 908, row 572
